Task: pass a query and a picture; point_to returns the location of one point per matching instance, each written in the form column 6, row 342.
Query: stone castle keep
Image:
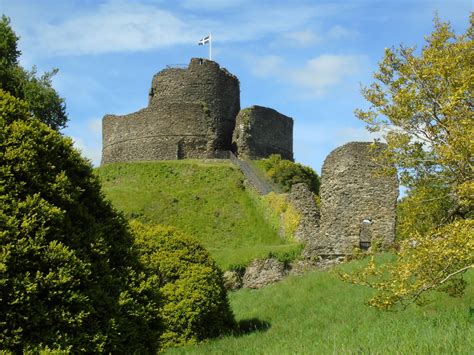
column 195, row 113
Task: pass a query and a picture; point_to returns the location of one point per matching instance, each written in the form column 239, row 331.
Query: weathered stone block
column 263, row 272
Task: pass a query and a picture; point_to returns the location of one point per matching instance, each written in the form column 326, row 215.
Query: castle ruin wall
column 261, row 131
column 357, row 202
column 191, row 114
column 168, row 132
column 205, row 82
column 303, row 200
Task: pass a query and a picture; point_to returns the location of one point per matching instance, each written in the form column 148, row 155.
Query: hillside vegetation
column 205, row 199
column 318, row 314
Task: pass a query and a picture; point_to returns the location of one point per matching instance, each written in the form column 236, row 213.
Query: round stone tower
column 203, row 82
column 357, row 202
column 191, row 114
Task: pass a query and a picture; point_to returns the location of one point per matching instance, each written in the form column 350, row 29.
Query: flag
column 205, row 40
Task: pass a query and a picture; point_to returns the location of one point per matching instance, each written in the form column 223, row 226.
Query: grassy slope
column 318, row 314
column 204, row 199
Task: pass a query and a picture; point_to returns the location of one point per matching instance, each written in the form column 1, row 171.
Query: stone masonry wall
column 357, row 205
column 205, row 82
column 303, row 200
column 191, row 114
column 170, row 131
column 261, row 131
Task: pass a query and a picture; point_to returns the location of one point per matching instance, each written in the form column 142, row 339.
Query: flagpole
column 210, row 46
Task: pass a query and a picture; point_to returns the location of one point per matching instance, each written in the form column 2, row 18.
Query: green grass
column 319, row 314
column 204, row 199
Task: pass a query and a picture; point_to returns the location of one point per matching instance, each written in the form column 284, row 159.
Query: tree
column 70, row 275
column 286, row 173
column 37, row 91
column 423, row 104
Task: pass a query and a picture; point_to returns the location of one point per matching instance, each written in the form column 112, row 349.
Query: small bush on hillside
column 69, row 276
column 195, row 304
column 286, row 173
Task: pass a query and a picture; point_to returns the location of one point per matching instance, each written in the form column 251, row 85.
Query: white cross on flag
column 204, row 40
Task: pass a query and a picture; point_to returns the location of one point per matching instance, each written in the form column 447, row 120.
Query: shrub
column 286, row 173
column 69, row 276
column 195, row 304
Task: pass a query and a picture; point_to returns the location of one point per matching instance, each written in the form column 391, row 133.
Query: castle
column 195, row 113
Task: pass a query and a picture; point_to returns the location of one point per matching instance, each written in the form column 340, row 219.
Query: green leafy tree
column 423, row 103
column 37, row 91
column 70, row 276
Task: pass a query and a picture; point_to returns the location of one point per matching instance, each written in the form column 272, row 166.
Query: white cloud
column 301, row 38
column 314, row 140
column 87, row 138
column 339, row 32
column 95, row 126
column 317, row 76
column 265, row 66
column 114, row 26
column 323, row 133
column 118, row 25
column 351, row 134
column 256, row 21
column 211, row 5
column 326, row 71
column 91, row 152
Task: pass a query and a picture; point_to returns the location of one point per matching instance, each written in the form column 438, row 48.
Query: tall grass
column 319, row 314
column 204, row 199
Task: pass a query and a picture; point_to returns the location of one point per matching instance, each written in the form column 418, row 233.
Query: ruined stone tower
column 261, row 131
column 192, row 113
column 357, row 204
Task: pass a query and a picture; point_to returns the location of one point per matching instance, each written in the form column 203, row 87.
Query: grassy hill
column 319, row 314
column 314, row 313
column 205, row 199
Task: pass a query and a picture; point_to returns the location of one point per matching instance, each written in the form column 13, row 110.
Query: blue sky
column 306, row 59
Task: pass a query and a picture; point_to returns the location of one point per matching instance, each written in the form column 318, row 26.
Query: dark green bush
column 195, row 304
column 69, row 276
column 286, row 173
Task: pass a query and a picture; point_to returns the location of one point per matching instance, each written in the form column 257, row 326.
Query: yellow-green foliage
column 424, row 208
column 288, row 217
column 434, row 260
column 69, row 276
column 194, row 300
column 423, row 100
column 424, row 103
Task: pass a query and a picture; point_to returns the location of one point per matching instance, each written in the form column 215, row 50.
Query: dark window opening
column 364, row 245
column 180, row 150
